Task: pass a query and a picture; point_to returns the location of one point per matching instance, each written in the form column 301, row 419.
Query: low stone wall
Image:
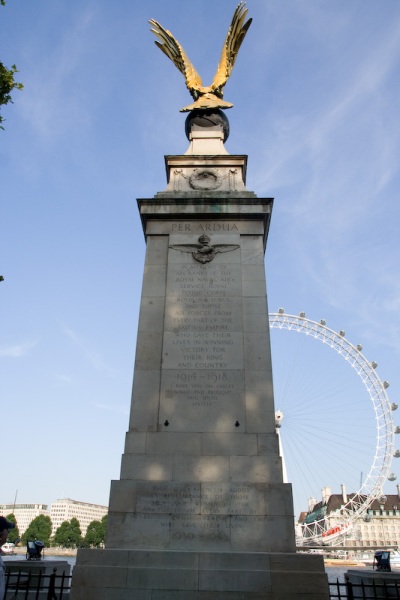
column 21, row 551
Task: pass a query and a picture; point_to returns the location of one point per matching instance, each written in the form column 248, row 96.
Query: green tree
column 39, row 529
column 94, row 537
column 68, row 535
column 13, row 534
column 104, row 523
column 7, row 82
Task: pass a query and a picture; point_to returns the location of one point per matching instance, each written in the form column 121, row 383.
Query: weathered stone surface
column 235, row 443
column 145, row 402
column 201, row 511
column 183, row 575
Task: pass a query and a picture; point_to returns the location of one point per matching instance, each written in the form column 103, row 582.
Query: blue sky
column 316, row 94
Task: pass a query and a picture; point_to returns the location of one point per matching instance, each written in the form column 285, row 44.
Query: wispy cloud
column 90, row 353
column 355, row 124
column 63, row 379
column 17, row 350
column 57, row 105
column 360, row 111
column 333, row 164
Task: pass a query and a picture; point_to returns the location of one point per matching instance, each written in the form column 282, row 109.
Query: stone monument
column 200, row 511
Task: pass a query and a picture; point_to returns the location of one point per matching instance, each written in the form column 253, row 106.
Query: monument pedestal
column 160, row 575
column 201, row 511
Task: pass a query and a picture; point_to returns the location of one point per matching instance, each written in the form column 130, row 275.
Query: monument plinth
column 201, row 510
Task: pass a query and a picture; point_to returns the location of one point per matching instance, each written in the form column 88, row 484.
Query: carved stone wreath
column 205, row 179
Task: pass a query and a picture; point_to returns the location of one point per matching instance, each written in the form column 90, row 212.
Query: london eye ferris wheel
column 334, row 428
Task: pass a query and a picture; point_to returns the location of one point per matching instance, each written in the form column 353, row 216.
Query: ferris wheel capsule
column 392, row 477
column 394, row 406
column 278, row 418
column 396, row 453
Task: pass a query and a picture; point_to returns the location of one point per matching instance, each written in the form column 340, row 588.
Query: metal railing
column 30, row 585
column 360, row 591
column 24, row 584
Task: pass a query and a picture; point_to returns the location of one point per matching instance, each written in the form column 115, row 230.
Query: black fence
column 35, row 585
column 30, row 585
column 359, row 591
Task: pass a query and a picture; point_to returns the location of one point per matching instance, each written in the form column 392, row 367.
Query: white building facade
column 60, row 511
column 24, row 513
column 67, row 509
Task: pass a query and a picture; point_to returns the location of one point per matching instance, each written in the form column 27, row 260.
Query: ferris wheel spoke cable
column 323, row 470
column 340, row 436
column 299, row 462
column 313, row 399
column 301, row 450
column 336, row 438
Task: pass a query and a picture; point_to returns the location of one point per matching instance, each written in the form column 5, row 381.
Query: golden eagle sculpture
column 210, row 97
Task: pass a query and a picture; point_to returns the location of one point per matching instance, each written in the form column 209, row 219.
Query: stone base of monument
column 157, row 575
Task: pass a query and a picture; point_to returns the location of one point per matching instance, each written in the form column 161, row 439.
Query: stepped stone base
column 156, row 575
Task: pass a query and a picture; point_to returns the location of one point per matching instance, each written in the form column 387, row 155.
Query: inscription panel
column 202, row 381
column 214, row 279
column 201, row 532
column 203, row 350
column 184, row 498
column 160, row 227
column 203, row 313
column 206, row 532
column 231, row 499
column 202, row 400
column 168, row 497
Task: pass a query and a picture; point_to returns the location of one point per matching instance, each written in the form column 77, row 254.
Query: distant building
column 61, row 510
column 379, row 527
column 24, row 513
column 66, row 509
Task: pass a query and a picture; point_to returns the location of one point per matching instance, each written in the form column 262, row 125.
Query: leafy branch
column 7, row 82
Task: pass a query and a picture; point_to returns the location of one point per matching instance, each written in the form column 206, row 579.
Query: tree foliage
column 95, row 535
column 13, row 534
column 68, row 535
column 39, row 529
column 7, row 82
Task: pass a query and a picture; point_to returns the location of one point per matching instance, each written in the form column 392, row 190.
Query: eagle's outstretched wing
column 172, row 48
column 234, row 38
